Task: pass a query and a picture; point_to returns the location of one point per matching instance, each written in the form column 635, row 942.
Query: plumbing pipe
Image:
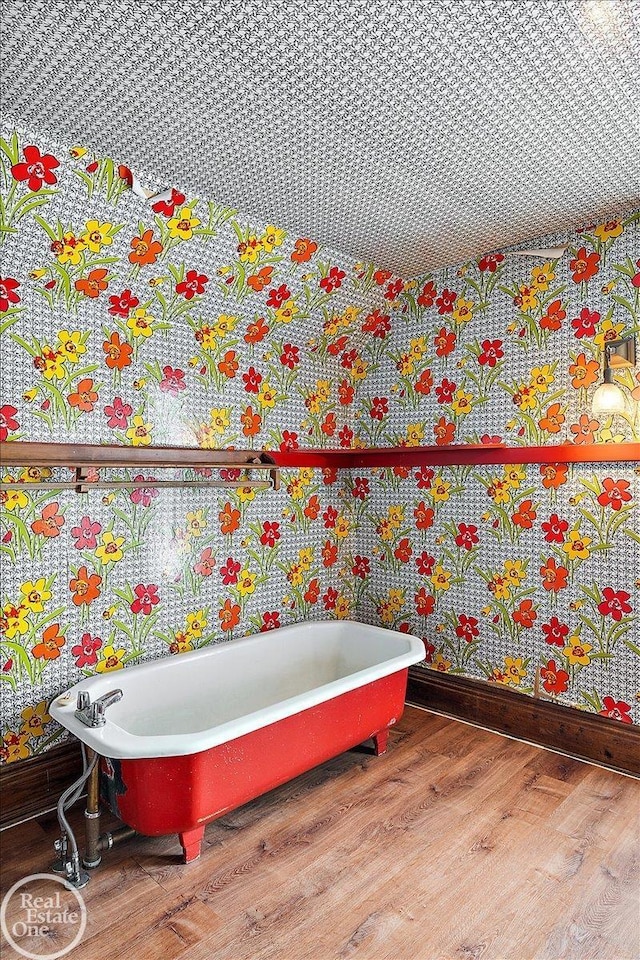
column 92, row 856
column 110, row 838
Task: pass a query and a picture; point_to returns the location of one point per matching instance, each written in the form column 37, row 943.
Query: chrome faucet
column 92, row 714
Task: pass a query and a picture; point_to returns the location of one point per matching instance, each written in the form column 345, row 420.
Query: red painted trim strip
column 455, row 454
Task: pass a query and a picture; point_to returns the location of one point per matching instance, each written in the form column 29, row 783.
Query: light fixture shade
column 608, row 399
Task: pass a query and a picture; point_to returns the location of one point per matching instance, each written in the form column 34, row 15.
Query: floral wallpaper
column 174, row 320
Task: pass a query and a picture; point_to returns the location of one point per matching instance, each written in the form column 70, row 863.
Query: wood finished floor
column 459, row 843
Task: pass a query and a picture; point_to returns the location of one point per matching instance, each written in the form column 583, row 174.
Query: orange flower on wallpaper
column 84, row 397
column 93, row 285
column 423, row 516
column 49, row 646
column 251, row 422
column 50, row 521
column 444, row 432
column 552, row 319
column 312, row 509
column 84, row 587
column 118, row 352
column 525, row 614
column 553, row 475
column 229, row 518
column 258, row 281
column 553, row 419
column 525, row 515
column 303, row 250
column 584, row 265
column 229, row 615
column 554, row 575
column 145, row 249
column 583, row 430
column 584, row 372
column 229, row 364
column 256, row 331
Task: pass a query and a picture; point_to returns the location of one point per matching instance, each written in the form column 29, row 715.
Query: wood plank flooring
column 458, row 844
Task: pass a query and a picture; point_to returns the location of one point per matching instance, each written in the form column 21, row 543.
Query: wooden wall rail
column 22, row 454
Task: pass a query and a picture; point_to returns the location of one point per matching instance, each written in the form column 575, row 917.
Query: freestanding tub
column 194, row 737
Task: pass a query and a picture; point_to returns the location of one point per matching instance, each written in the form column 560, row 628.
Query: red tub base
column 191, row 842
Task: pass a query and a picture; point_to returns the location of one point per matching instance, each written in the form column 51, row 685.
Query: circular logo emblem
column 42, row 911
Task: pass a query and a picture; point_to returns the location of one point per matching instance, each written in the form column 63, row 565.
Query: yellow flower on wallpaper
column 527, row 299
column 514, row 474
column 463, row 310
column 395, row 513
column 343, row 607
column 342, row 527
column 406, row 364
column 608, row 231
column 251, row 250
column 15, row 621
column 441, row 663
column 514, row 571
column 140, row 432
column 542, row 276
column 246, row 583
column 350, row 315
column 608, row 330
column 52, row 364
column 13, row 499
column 295, row 575
column 196, row 623
column 577, row 652
column 71, row 252
column 220, row 418
column 359, row 369
column 526, row 397
column 267, row 396
column 514, row 670
column 396, row 599
column 245, row 494
column 272, row 237
column 418, row 348
column 225, row 325
column 111, row 659
column 441, row 578
column 286, row 311
column 181, row 226
column 196, row 523
column 577, row 546
column 440, row 490
column 415, row 434
column 323, row 389
column 15, row 746
column 110, row 550
column 35, row 719
column 542, row 378
column 500, row 587
column 97, row 235
column 71, row 345
column 463, row 403
column 305, row 556
column 141, row 323
column 35, row 595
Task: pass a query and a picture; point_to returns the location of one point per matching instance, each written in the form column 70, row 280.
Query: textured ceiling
column 414, row 133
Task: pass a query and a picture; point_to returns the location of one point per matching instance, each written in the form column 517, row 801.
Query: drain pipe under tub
column 95, row 842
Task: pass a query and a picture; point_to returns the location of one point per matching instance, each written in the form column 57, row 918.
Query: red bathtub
column 194, row 737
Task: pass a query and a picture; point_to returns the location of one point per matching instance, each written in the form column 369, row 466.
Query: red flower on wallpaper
column 8, row 422
column 329, row 554
column 206, row 564
column 168, row 207
column 312, row 509
column 290, row 356
column 278, row 296
column 303, row 250
column 312, row 593
column 403, row 551
column 330, row 598
column 491, row 352
column 381, row 276
column 346, row 393
column 525, row 515
column 93, row 284
column 143, row 495
column 378, row 324
column 193, row 283
column 467, row 628
column 229, row 365
column 329, row 517
column 446, row 390
column 490, row 262
column 424, row 383
column 146, row 598
column 424, row 516
column 252, row 380
column 256, row 331
column 289, row 441
column 585, row 324
column 333, row 280
column 49, row 522
column 118, row 413
column 446, row 301
column 425, row 603
column 85, row 587
column 615, row 710
column 36, row 169
column 428, row 294
column 554, row 529
column 635, row 280
column 84, row 396
column 554, row 575
column 394, row 289
column 229, row 571
column 345, row 436
column 360, row 488
column 86, row 652
column 172, row 381
column 584, row 265
column 615, row 603
column 614, row 493
column 8, row 295
column 555, row 632
column 423, row 477
column 425, row 564
column 444, row 342
column 251, row 422
column 86, row 534
column 444, row 432
column 123, row 303
column 467, row 536
column 525, row 614
column 270, row 533
column 270, row 621
column 554, row 679
column 145, row 249
column 361, row 567
column 379, row 408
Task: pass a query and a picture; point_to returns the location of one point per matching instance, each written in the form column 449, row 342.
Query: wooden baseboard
column 31, row 787
column 585, row 736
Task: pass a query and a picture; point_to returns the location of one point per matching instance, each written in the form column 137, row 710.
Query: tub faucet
column 92, row 714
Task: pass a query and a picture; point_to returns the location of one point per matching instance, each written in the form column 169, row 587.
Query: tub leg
column 190, row 841
column 380, row 742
